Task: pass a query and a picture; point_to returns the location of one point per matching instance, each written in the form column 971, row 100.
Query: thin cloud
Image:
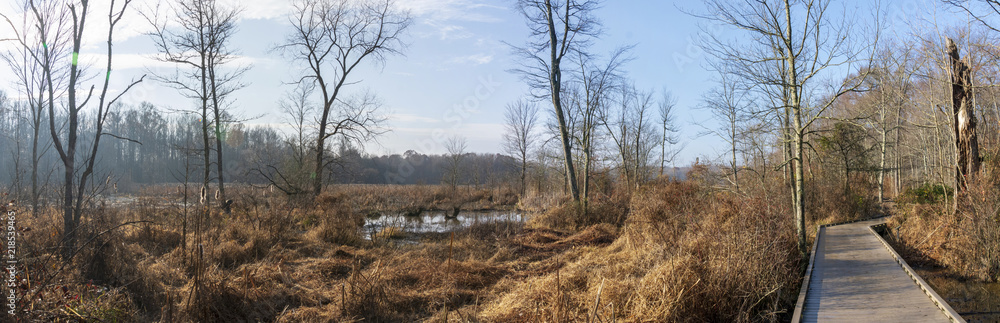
column 451, row 32
column 446, row 17
column 474, row 59
column 451, row 10
column 412, row 118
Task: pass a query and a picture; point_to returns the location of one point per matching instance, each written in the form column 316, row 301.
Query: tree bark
column 217, row 110
column 791, row 87
column 966, row 142
column 555, row 83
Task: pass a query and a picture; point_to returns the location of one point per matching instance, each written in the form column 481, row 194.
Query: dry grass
column 966, row 242
column 685, row 254
column 573, row 216
column 674, row 251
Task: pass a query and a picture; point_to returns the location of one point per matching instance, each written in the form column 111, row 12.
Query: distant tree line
column 156, row 153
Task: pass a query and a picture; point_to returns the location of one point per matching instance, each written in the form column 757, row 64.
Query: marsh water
column 974, row 301
column 439, row 221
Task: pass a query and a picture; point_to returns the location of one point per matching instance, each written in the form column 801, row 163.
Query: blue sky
column 455, row 58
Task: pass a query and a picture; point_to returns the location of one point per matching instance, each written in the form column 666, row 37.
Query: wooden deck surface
column 855, row 279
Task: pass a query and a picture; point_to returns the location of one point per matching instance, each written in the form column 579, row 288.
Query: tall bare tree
column 200, row 49
column 592, row 89
column 518, row 140
column 66, row 143
column 892, row 81
column 299, row 112
column 790, row 46
column 630, row 127
column 731, row 107
column 41, row 40
column 558, row 28
column 333, row 37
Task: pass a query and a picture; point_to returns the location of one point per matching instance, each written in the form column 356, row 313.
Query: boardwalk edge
column 797, row 314
column 940, row 302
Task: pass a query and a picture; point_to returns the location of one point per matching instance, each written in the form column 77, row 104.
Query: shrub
column 928, row 193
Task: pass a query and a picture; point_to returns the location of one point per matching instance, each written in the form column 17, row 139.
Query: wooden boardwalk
column 854, row 278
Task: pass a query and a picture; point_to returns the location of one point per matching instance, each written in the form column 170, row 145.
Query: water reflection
column 974, row 301
column 439, row 221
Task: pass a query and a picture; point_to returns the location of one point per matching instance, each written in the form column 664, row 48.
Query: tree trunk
column 34, row 160
column 217, row 110
column 205, row 151
column 206, row 146
column 966, row 142
column 586, row 176
column 317, row 175
column 663, row 147
column 736, row 178
column 555, row 84
column 69, row 226
column 791, row 86
column 524, row 171
column 881, row 167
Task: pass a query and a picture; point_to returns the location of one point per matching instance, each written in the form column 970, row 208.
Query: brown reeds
column 685, row 253
column 673, row 251
column 967, row 240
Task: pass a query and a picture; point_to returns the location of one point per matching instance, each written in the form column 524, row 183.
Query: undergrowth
column 671, row 251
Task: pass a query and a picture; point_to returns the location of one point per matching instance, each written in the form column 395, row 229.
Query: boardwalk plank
column 855, row 279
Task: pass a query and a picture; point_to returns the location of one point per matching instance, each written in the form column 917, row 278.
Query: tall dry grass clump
column 568, row 215
column 685, row 253
column 968, row 240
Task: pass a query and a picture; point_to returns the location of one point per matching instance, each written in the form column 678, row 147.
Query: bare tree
column 730, row 106
column 200, row 49
column 333, row 37
column 456, row 146
column 892, row 87
column 589, row 95
column 669, row 130
column 632, row 133
column 43, row 23
column 558, row 28
column 521, row 118
column 66, row 147
column 789, row 45
column 298, row 112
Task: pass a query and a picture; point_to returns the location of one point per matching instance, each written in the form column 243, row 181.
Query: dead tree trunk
column 966, row 144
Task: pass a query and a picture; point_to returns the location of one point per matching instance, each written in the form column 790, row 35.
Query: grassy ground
column 670, row 252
